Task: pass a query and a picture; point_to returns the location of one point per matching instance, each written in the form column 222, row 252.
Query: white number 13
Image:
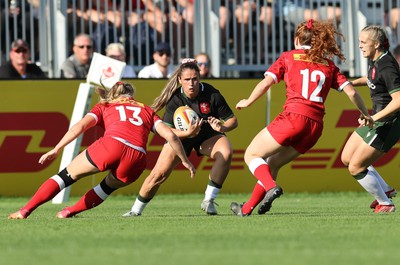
column 313, row 78
column 136, row 120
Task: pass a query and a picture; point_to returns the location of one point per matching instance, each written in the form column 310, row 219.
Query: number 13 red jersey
column 126, row 119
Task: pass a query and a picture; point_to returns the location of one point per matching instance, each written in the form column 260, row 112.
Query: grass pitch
column 328, row 228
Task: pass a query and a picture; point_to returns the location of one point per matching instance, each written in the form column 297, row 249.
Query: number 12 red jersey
column 307, row 83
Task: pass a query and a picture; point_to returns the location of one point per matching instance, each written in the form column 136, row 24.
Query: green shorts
column 382, row 136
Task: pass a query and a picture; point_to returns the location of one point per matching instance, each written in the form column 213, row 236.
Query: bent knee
column 224, row 156
column 249, row 156
column 355, row 169
column 157, row 178
column 345, row 160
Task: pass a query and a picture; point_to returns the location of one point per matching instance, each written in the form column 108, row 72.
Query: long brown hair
column 117, row 90
column 173, row 84
column 321, row 36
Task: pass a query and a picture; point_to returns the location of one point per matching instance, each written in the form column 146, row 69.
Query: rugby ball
column 183, row 117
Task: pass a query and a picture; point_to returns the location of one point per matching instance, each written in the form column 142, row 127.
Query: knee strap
column 107, row 189
column 361, row 175
column 103, row 190
column 66, row 177
column 63, row 179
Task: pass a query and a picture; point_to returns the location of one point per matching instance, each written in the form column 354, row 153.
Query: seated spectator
column 161, row 68
column 77, row 65
column 204, row 63
column 19, row 66
column 117, row 51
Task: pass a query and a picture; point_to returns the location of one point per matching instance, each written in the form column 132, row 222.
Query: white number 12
column 313, row 77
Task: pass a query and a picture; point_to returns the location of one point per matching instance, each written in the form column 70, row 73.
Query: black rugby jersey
column 209, row 102
column 383, row 79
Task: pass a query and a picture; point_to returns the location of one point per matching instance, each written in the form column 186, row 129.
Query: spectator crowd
column 153, row 35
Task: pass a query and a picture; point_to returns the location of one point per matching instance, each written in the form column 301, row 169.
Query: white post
column 82, row 104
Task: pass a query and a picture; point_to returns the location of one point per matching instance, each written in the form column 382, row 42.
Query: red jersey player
column 309, row 74
column 122, row 150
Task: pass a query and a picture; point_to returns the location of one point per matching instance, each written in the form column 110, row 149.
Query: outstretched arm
column 165, row 132
column 260, row 89
column 80, row 127
column 362, row 81
column 358, row 101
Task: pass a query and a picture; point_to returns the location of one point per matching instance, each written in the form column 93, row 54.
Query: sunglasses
column 83, row 46
column 115, row 56
column 21, row 50
column 205, row 64
column 162, row 53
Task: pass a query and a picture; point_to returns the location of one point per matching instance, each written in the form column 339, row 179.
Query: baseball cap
column 19, row 44
column 163, row 46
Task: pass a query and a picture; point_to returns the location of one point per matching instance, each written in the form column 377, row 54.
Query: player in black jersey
column 366, row 145
column 207, row 138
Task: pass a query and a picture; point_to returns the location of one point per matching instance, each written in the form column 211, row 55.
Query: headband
column 189, row 60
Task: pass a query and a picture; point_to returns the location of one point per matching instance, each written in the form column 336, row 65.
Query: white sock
column 211, row 192
column 381, row 181
column 138, row 206
column 371, row 184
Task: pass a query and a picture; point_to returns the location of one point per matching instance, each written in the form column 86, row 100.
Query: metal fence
column 240, row 41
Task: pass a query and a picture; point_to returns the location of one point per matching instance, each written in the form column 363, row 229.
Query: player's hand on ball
column 50, row 155
column 194, row 127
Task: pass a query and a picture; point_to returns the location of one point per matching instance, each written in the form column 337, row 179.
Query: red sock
column 46, row 192
column 87, row 201
column 262, row 172
column 256, row 197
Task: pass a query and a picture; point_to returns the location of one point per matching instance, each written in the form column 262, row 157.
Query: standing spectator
column 309, row 73
column 207, row 138
column 117, row 52
column 161, row 68
column 19, row 66
column 244, row 11
column 295, row 11
column 101, row 19
column 150, row 21
column 24, row 18
column 78, row 64
column 396, row 53
column 392, row 13
column 139, row 33
column 366, row 145
column 188, row 16
column 204, row 64
column 122, row 150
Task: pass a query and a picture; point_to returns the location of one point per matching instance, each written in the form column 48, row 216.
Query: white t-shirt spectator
column 152, row 71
